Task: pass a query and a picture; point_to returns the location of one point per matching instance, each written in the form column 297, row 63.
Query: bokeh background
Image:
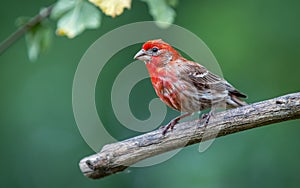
column 257, row 44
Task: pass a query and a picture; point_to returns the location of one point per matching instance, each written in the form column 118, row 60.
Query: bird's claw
column 206, row 117
column 173, row 122
column 170, row 125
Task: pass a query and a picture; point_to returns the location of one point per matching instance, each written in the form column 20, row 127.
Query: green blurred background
column 257, row 44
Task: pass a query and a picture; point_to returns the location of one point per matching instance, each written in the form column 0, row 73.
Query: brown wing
column 204, row 79
column 209, row 84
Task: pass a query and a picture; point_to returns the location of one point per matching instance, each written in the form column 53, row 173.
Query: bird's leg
column 173, row 122
column 206, row 117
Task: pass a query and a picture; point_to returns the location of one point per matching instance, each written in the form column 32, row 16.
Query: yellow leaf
column 112, row 7
column 62, row 32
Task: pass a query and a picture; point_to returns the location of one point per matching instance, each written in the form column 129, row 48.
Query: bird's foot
column 206, row 117
column 173, row 122
column 170, row 125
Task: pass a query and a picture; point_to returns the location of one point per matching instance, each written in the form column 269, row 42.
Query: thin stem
column 44, row 13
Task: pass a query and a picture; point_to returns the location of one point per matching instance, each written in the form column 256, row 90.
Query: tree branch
column 44, row 13
column 118, row 156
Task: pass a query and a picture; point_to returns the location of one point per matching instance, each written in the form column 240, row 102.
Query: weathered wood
column 118, row 156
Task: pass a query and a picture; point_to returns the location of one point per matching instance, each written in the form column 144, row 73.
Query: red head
column 153, row 49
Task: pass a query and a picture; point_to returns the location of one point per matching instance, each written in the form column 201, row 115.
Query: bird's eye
column 154, row 49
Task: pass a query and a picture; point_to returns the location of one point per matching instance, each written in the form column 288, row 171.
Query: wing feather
column 204, row 79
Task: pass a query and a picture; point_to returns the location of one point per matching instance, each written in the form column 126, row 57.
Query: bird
column 184, row 85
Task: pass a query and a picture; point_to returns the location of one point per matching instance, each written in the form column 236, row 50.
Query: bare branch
column 118, row 156
column 44, row 13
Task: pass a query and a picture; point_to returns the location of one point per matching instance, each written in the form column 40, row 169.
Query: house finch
column 184, row 85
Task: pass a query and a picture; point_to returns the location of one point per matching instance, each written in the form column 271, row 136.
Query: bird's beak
column 142, row 55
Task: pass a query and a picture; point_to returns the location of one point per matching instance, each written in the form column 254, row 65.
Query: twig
column 44, row 13
column 118, row 156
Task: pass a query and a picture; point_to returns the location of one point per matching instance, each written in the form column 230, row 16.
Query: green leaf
column 75, row 19
column 161, row 12
column 172, row 3
column 61, row 7
column 38, row 40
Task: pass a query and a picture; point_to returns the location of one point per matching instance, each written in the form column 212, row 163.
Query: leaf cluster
column 72, row 17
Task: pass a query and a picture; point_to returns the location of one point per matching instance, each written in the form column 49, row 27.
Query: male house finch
column 184, row 85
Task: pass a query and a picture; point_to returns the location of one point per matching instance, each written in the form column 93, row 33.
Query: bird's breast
column 166, row 92
column 179, row 94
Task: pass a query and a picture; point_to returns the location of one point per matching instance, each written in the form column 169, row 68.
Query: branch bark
column 118, row 156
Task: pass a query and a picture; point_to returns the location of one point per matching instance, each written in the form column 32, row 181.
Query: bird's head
column 156, row 50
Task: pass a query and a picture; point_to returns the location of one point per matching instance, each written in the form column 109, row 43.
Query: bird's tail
column 235, row 101
column 234, row 97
